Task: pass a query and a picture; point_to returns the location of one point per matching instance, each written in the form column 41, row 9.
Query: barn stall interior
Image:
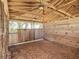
column 39, row 29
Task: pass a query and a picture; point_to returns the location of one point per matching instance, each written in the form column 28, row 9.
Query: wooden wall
column 65, row 31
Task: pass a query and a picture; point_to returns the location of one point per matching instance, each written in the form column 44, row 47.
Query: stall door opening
column 21, row 31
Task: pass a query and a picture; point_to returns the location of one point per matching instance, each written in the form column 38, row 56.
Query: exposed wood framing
column 71, row 2
column 58, row 10
column 32, row 9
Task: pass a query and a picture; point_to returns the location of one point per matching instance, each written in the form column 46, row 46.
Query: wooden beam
column 54, row 2
column 58, row 10
column 59, row 3
column 25, row 18
column 27, row 12
column 24, row 0
column 24, row 7
column 67, row 3
column 24, row 3
column 25, row 15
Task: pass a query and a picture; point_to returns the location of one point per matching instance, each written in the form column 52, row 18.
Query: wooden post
column 3, row 32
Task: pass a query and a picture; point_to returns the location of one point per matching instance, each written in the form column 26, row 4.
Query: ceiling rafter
column 22, row 7
column 23, row 0
column 54, row 2
column 42, row 9
column 26, row 15
column 71, row 2
column 25, row 18
column 59, row 3
column 58, row 10
column 24, row 11
column 23, row 3
column 25, row 8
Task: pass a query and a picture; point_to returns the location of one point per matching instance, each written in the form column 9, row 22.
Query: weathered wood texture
column 63, row 31
column 44, row 10
column 43, row 50
column 3, row 32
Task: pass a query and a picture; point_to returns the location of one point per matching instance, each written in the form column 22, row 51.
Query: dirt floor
column 43, row 50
